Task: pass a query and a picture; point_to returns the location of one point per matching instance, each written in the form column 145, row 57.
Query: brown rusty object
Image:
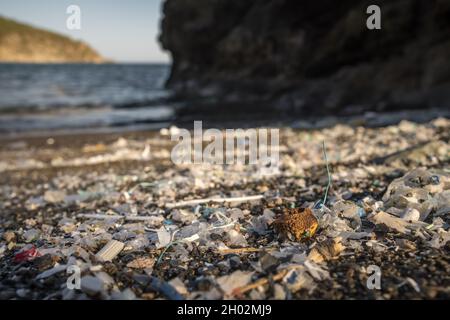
column 297, row 224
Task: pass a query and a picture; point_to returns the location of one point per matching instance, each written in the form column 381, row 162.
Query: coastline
column 364, row 161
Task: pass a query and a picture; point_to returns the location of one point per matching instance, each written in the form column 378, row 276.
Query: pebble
column 31, row 235
column 54, row 196
column 9, row 236
column 91, row 285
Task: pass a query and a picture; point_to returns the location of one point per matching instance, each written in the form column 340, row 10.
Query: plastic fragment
column 110, row 251
column 27, row 254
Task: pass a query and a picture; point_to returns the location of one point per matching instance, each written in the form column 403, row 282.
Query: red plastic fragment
column 26, row 255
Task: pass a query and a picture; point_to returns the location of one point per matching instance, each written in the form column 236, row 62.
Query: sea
column 37, row 97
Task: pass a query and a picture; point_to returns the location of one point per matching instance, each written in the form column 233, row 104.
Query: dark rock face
column 314, row 56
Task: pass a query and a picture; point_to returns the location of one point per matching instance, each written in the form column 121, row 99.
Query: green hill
column 23, row 43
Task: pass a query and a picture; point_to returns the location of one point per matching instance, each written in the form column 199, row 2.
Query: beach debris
column 164, row 288
column 240, row 290
column 261, row 224
column 209, row 229
column 349, row 210
column 390, row 221
column 228, row 284
column 54, row 196
column 110, row 251
column 178, row 285
column 405, row 244
column 411, row 214
column 214, row 200
column 126, row 294
column 327, row 250
column 31, row 235
column 298, row 278
column 440, row 238
column 419, row 191
column 92, row 285
column 297, row 224
column 51, row 272
column 412, row 283
column 324, row 149
column 9, row 236
column 28, row 253
column 225, row 251
column 141, row 263
column 164, row 237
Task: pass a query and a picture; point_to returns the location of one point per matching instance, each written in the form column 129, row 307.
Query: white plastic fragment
column 164, row 238
column 297, row 279
column 217, row 200
column 110, row 251
column 54, row 196
column 235, row 280
column 419, row 189
column 411, row 214
column 48, row 273
column 316, row 271
column 390, row 221
column 99, row 216
column 413, row 284
column 31, row 235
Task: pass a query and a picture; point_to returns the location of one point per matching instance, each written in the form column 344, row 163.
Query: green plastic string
column 328, row 172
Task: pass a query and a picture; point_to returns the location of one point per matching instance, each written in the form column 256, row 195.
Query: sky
column 121, row 30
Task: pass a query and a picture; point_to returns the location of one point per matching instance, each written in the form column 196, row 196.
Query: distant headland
column 21, row 43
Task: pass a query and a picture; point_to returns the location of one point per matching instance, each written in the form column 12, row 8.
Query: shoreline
column 369, row 120
column 54, row 191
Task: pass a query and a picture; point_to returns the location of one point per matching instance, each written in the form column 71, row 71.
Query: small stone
column 141, row 263
column 30, row 222
column 23, row 293
column 11, row 245
column 91, row 285
column 411, row 214
column 179, row 286
column 9, row 236
column 126, row 294
column 45, row 262
column 31, row 235
column 106, row 279
column 405, row 244
column 7, row 294
column 54, row 196
column 279, row 292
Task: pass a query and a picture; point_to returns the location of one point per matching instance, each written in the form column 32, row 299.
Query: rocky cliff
column 316, row 55
column 22, row 43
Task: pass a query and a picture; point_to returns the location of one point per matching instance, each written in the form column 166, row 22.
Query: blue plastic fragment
column 207, row 212
column 318, row 205
column 361, row 212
